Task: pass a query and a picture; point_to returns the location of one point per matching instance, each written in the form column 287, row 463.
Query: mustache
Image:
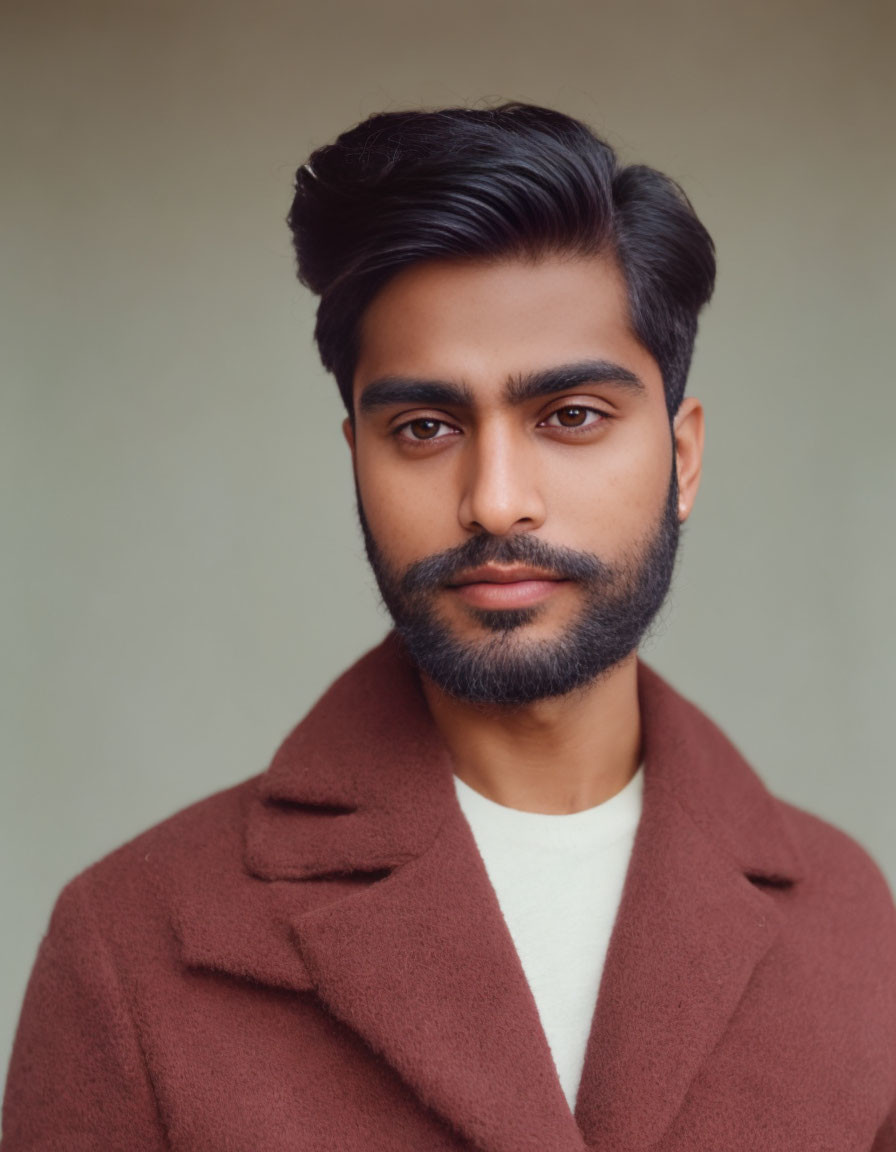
column 563, row 563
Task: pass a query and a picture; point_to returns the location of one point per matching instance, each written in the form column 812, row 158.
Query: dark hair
column 515, row 180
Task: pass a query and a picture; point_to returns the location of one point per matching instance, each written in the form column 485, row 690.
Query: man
column 502, row 889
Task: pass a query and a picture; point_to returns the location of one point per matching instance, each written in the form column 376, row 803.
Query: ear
column 687, row 433
column 348, row 432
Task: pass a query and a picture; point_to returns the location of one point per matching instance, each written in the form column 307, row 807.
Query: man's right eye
column 424, row 429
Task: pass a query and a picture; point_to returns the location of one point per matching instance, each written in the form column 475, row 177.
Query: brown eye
column 572, row 417
column 575, row 417
column 423, row 429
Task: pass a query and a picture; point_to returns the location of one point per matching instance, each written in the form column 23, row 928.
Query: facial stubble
column 619, row 603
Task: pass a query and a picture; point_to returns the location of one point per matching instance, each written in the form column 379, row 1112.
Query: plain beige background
column 184, row 572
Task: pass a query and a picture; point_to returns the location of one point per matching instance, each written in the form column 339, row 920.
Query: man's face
column 516, row 472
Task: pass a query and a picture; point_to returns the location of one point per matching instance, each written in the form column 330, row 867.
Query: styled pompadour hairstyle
column 515, row 180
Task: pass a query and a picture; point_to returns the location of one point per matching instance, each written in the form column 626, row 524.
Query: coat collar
column 366, row 769
column 360, row 880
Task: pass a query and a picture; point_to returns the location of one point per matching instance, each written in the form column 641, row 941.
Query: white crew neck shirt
column 559, row 883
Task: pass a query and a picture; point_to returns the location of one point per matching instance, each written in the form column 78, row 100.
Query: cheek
column 408, row 519
column 617, row 492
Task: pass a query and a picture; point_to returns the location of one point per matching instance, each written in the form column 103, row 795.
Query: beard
column 619, row 603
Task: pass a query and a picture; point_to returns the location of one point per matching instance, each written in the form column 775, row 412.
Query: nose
column 501, row 491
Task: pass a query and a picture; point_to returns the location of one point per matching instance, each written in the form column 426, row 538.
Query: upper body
column 319, row 959
column 315, row 959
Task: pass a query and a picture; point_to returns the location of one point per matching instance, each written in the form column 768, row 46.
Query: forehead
column 482, row 322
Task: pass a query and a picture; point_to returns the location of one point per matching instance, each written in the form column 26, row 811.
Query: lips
column 495, row 588
column 492, row 574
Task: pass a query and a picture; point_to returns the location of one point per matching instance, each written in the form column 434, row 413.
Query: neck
column 556, row 756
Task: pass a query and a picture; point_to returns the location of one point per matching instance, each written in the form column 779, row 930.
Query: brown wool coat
column 315, row 960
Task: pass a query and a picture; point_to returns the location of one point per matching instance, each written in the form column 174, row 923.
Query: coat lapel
column 692, row 926
column 423, row 968
column 360, row 880
column 419, row 962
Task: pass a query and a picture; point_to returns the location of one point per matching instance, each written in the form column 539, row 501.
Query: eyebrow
column 392, row 391
column 533, row 385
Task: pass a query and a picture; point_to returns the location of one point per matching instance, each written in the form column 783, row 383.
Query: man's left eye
column 573, row 416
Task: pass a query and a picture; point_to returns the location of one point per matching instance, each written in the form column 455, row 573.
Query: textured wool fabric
column 316, row 960
column 559, row 881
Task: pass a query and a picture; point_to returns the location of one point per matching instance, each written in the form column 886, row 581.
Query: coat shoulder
column 844, row 906
column 838, row 864
column 132, row 883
